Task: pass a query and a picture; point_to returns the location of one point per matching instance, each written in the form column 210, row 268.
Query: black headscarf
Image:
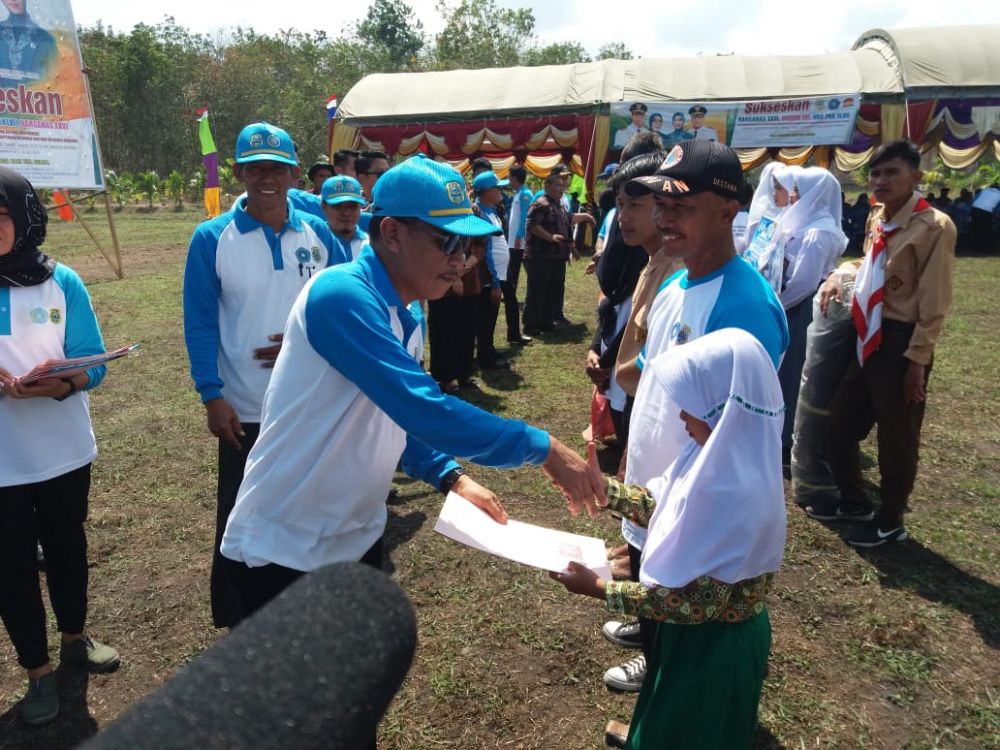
column 25, row 264
column 617, row 274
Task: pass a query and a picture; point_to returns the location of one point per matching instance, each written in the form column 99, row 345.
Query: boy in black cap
column 638, row 112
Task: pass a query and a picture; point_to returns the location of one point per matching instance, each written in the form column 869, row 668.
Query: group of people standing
column 306, row 341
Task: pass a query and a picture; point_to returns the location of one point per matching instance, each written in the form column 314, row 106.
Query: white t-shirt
column 41, row 438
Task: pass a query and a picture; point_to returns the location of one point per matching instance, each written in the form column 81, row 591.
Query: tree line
column 147, row 84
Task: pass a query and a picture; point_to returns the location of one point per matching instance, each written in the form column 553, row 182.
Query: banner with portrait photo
column 777, row 123
column 46, row 124
column 674, row 121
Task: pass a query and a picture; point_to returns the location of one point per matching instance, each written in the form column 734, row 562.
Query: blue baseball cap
column 608, row 171
column 486, row 180
column 340, row 189
column 261, row 141
column 421, row 188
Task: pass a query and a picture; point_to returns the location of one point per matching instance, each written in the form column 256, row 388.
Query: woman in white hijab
column 770, row 199
column 808, row 239
column 716, row 520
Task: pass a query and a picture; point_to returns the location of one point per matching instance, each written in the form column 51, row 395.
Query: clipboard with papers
column 66, row 368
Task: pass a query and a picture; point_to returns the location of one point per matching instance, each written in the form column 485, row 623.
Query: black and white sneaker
column 871, row 535
column 624, row 634
column 627, row 677
column 836, row 510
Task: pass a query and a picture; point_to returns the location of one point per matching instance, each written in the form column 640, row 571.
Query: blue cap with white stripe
column 421, row 188
column 262, row 141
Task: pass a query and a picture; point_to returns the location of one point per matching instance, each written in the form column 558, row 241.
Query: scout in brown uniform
column 902, row 294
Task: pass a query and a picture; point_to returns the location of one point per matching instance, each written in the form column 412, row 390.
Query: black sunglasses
column 449, row 243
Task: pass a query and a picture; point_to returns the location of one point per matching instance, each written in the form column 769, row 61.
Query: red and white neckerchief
column 869, row 288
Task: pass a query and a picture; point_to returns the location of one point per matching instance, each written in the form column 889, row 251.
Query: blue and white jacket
column 347, row 400
column 239, row 284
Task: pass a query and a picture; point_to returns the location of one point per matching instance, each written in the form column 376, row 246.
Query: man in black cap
column 638, row 112
column 698, row 129
column 696, row 192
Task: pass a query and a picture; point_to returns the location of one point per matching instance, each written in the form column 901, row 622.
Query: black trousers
column 226, row 607
column 451, row 323
column 511, row 308
column 546, row 287
column 486, row 352
column 51, row 512
column 647, row 628
column 873, row 396
column 258, row 586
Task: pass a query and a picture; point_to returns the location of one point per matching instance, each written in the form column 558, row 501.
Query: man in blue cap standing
column 244, row 270
column 486, row 187
column 348, row 400
column 342, row 203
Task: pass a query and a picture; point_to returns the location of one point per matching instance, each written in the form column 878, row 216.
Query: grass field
column 895, row 648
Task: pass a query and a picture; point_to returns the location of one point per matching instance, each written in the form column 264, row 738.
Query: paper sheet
column 548, row 549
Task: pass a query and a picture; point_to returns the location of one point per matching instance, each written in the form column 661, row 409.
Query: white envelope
column 548, row 549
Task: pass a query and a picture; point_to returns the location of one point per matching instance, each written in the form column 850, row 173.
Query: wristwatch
column 72, row 389
column 449, row 479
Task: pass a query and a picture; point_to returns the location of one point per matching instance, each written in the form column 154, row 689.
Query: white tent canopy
column 884, row 65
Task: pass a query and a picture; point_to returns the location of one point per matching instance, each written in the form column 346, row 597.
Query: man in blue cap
column 244, row 271
column 486, row 187
column 342, row 203
column 348, row 400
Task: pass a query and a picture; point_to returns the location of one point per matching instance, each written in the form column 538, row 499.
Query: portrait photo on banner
column 47, row 128
column 674, row 121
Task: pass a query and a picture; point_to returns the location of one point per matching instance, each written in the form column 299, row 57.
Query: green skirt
column 702, row 686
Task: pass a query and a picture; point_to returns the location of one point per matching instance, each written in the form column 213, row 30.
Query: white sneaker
column 625, row 634
column 627, row 677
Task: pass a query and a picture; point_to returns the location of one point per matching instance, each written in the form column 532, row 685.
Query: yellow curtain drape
column 500, row 140
column 867, row 127
column 564, row 138
column 473, row 141
column 599, row 147
column 848, row 162
column 795, row 156
column 821, row 155
column 369, row 145
column 960, row 158
column 892, row 122
column 540, row 166
column 410, row 145
column 751, row 157
column 344, row 136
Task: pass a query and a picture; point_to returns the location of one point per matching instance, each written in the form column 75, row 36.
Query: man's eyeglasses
column 449, row 243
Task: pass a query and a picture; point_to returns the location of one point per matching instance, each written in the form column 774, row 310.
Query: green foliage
column 480, row 34
column 614, row 51
column 148, row 184
column 392, row 33
column 121, row 186
column 558, row 53
column 173, row 186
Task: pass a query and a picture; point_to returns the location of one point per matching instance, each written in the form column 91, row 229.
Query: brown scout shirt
column 917, row 273
column 660, row 268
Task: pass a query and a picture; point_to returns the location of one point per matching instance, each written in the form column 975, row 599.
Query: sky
column 759, row 27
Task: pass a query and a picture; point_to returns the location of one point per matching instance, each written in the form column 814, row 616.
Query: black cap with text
column 694, row 166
